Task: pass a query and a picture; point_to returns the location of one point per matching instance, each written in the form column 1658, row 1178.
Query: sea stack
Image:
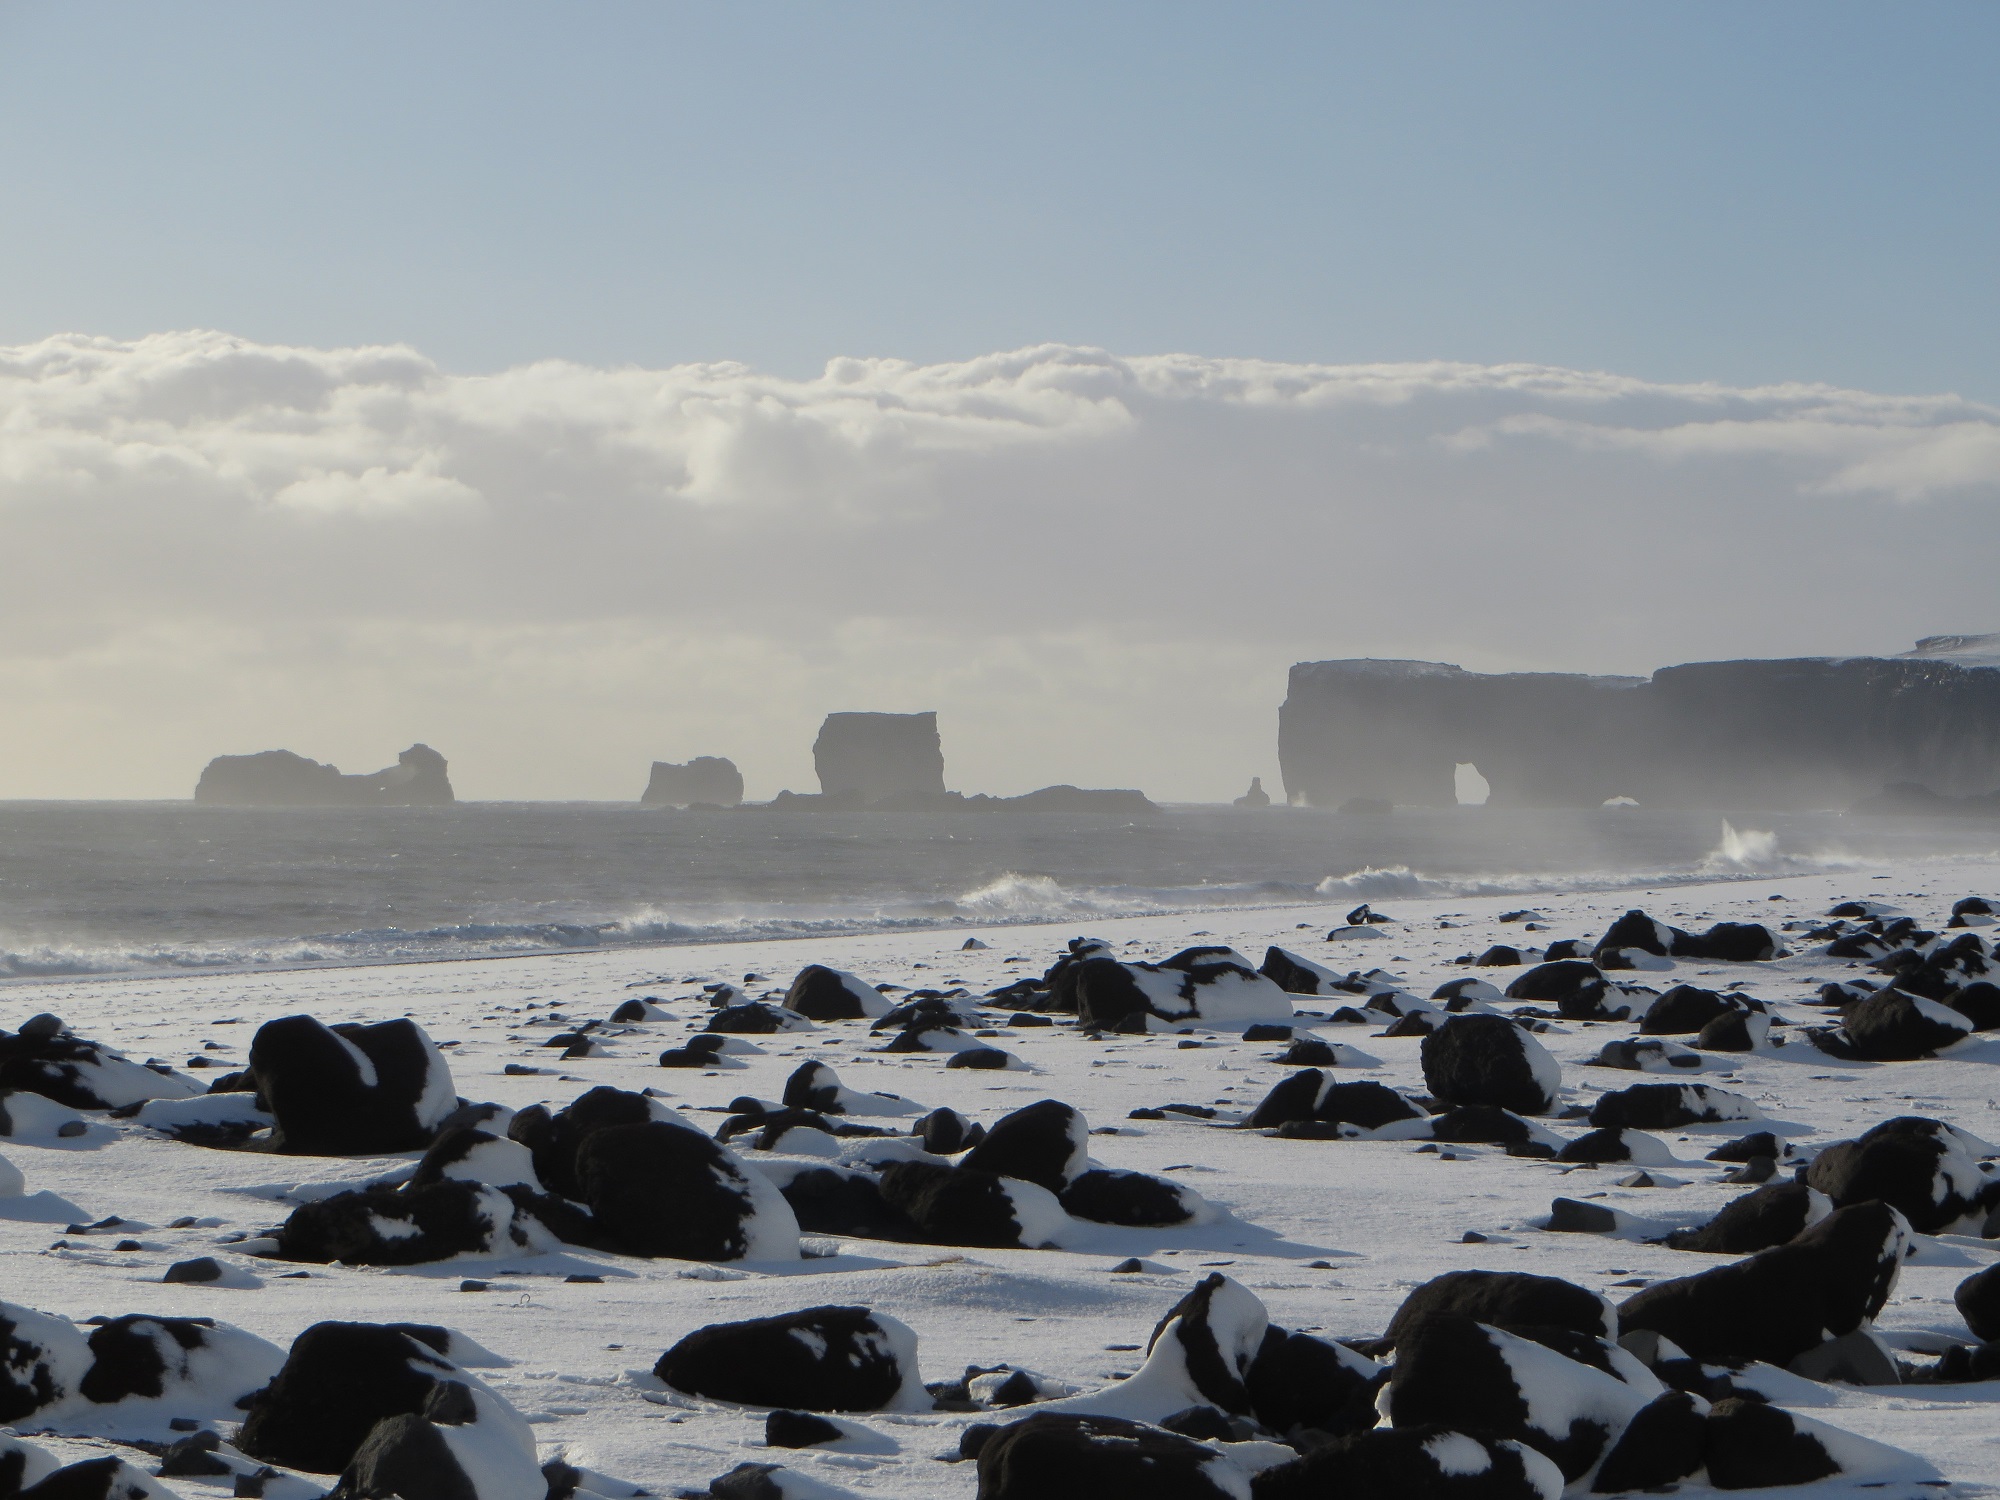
column 871, row 758
column 711, row 780
column 279, row 778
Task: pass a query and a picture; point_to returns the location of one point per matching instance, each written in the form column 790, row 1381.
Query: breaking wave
column 881, row 889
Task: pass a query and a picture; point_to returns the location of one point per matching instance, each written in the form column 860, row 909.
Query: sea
column 145, row 887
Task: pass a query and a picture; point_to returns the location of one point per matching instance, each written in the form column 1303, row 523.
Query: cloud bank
column 1096, row 567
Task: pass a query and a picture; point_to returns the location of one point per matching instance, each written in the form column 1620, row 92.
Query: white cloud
column 1097, row 567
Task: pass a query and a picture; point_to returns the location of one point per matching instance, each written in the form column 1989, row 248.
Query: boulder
column 1771, row 1215
column 840, row 1200
column 1474, row 1059
column 43, row 1362
column 1669, row 1106
column 1046, row 1143
column 946, row 1132
column 434, row 1221
column 1313, row 1095
column 1617, row 1144
column 1979, row 1003
column 1570, row 984
column 350, row 1090
column 1895, row 1026
column 194, row 1367
column 823, row 994
column 1427, row 1462
column 1752, row 1445
column 1209, row 985
column 1495, row 1382
column 818, row 1359
column 1684, row 1010
column 1132, row 1198
column 963, row 1205
column 752, row 1018
column 1978, row 1301
column 469, row 1154
column 815, row 1086
column 1481, row 1124
column 553, row 1139
column 45, row 1058
column 455, row 1448
column 657, row 1189
column 30, row 1472
column 1725, row 942
column 1927, row 1170
column 1646, row 1055
column 1661, row 1445
column 1298, row 1381
column 341, row 1379
column 1060, row 1456
column 1739, row 1031
column 1778, row 1303
column 1505, row 1299
column 1298, row 975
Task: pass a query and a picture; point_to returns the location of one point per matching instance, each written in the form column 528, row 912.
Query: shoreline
column 1328, row 1235
column 969, row 926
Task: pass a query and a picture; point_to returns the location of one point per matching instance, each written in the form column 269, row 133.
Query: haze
column 574, row 389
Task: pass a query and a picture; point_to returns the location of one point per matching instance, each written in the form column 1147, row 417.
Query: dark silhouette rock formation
column 879, row 757
column 895, row 763
column 1805, row 733
column 1256, row 796
column 710, row 779
column 278, row 778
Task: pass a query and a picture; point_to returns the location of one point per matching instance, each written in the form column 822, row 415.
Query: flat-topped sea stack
column 707, row 780
column 278, row 778
column 1815, row 732
column 873, row 758
column 871, row 762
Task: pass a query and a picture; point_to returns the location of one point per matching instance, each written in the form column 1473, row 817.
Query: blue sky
column 1743, row 193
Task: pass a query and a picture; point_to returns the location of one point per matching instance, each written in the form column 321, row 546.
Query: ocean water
column 141, row 887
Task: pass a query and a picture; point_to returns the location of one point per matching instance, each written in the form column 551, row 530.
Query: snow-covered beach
column 1329, row 1234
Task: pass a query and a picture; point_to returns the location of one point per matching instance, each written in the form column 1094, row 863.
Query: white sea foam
column 506, row 881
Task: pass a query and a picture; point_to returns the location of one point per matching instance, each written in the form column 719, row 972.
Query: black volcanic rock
column 349, row 1089
column 819, row 1359
column 1780, row 1303
column 1505, row 1299
column 1473, row 1059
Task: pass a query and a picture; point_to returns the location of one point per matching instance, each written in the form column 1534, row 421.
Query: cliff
column 872, row 758
column 710, row 779
column 1805, row 733
column 278, row 778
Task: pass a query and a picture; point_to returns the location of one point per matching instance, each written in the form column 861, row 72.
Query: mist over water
column 134, row 887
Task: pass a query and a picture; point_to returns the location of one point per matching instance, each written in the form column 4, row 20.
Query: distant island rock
column 879, row 757
column 1256, row 796
column 1120, row 802
column 278, row 778
column 708, row 780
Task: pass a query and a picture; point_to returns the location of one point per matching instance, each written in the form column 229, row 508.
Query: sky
column 570, row 387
